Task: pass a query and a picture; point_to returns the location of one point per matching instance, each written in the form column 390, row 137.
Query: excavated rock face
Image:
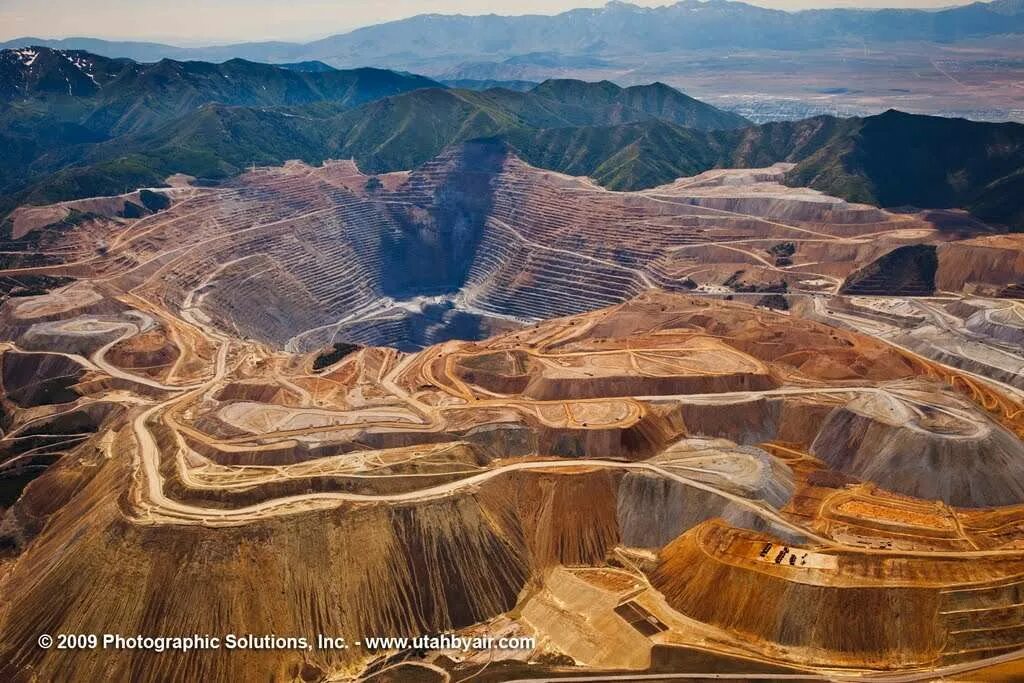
column 407, row 570
column 34, row 379
column 1002, row 324
column 653, row 510
column 436, row 235
column 994, row 260
column 666, row 372
column 431, row 321
column 700, row 469
column 465, row 246
column 907, row 271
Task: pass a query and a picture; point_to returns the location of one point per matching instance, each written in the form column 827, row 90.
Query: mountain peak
column 39, row 69
column 1006, row 7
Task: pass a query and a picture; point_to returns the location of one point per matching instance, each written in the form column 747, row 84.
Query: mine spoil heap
column 203, row 433
column 440, row 490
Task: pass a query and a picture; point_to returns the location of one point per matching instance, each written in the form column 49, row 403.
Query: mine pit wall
column 657, row 427
column 511, row 440
column 289, row 452
column 42, row 336
column 975, row 262
column 757, row 420
column 846, row 304
column 13, row 327
column 510, row 373
column 995, row 330
column 428, row 566
column 790, row 209
column 147, row 353
column 845, row 609
column 500, row 372
column 21, row 523
column 645, row 438
column 969, row 364
column 661, row 424
column 257, row 392
column 35, row 379
column 441, row 230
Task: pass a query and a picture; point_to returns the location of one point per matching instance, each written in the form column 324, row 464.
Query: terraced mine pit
column 662, row 432
column 468, row 245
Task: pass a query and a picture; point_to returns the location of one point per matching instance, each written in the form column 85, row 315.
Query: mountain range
column 100, row 124
column 432, row 43
column 73, row 124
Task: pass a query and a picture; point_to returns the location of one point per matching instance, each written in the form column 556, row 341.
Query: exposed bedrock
column 905, row 271
column 432, row 243
column 34, row 379
column 950, row 452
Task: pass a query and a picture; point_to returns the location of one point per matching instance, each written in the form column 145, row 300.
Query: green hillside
column 70, row 113
column 897, row 159
column 57, row 146
column 626, row 157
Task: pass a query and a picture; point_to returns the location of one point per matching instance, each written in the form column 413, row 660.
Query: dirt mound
column 996, row 260
column 809, row 606
column 946, row 451
column 507, row 486
column 33, row 379
column 906, row 271
column 150, row 353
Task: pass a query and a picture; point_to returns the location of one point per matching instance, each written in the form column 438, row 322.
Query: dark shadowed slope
column 898, row 159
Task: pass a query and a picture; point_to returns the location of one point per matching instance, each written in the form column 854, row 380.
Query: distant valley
column 766, row 64
column 618, row 28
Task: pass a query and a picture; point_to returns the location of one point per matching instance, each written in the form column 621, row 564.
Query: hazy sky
column 204, row 21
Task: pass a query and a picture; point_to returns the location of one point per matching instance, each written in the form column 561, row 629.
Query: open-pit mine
column 721, row 426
